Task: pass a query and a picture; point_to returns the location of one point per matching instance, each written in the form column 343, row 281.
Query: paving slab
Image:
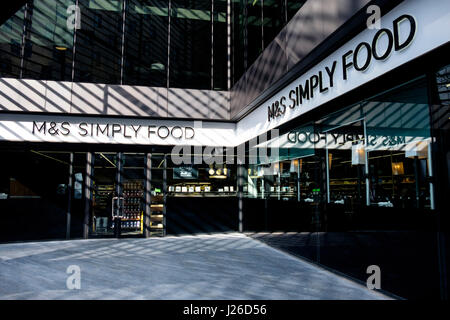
column 219, row 266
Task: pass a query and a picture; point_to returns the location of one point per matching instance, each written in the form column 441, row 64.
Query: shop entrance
column 118, row 181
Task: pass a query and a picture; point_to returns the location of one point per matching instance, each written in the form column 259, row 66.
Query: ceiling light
column 61, row 48
column 218, row 177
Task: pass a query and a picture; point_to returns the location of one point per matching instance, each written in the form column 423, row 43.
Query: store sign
column 303, row 137
column 345, row 141
column 110, row 130
column 48, row 128
column 185, row 173
column 410, row 30
column 358, row 58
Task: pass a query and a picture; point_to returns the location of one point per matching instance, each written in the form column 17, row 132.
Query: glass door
column 104, row 189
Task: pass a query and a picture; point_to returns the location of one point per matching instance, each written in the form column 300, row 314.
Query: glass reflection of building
column 364, row 163
column 174, row 43
column 382, row 142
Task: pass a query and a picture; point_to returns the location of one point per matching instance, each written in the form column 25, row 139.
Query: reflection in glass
column 104, row 182
column 133, row 182
column 220, row 60
column 11, row 44
column 49, row 46
column 190, row 44
column 99, row 42
column 254, row 30
column 146, row 36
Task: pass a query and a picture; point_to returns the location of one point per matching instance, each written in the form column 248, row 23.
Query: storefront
column 351, row 133
column 350, row 151
column 354, row 133
column 76, row 176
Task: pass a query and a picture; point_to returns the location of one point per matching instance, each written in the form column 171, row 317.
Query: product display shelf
column 133, row 193
column 157, row 215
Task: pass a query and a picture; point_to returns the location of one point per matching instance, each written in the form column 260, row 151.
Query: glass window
column 398, row 145
column 443, row 85
column 220, row 45
column 33, row 194
column 49, row 44
column 292, row 7
column 345, row 171
column 190, row 44
column 274, row 19
column 201, row 180
column 10, row 45
column 146, row 36
column 238, row 40
column 254, row 30
column 99, row 42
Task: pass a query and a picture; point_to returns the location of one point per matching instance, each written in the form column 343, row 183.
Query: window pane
column 254, row 27
column 238, row 37
column 220, row 45
column 443, row 85
column 190, row 44
column 274, row 19
column 292, row 7
column 49, row 44
column 146, row 31
column 99, row 42
column 10, row 45
column 398, row 130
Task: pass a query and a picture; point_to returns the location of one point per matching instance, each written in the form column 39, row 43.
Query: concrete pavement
column 220, row 266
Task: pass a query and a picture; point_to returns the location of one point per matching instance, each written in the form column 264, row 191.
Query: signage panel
column 410, row 30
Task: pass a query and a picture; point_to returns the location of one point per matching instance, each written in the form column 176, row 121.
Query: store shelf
column 203, row 195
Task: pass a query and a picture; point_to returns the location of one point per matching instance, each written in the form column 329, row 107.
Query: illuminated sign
column 358, row 58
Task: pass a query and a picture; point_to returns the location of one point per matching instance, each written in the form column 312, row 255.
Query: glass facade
column 191, row 44
column 255, row 25
column 98, row 48
column 11, row 33
column 174, row 43
column 382, row 142
column 359, row 186
column 146, row 38
column 48, row 47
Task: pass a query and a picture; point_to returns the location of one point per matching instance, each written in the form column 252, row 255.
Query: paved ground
column 223, row 266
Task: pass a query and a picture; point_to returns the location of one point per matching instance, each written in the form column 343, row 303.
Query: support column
column 298, row 180
column 366, row 164
column 119, row 176
column 417, row 181
column 165, row 195
column 240, row 181
column 87, row 193
column 69, row 199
